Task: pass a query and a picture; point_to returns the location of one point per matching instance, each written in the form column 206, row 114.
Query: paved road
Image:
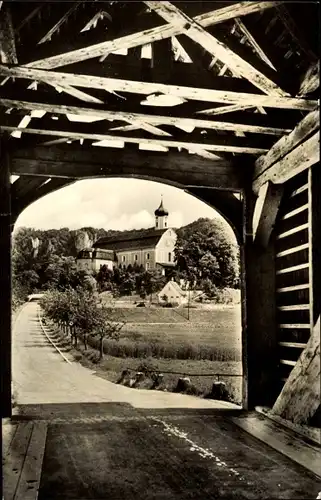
column 108, row 441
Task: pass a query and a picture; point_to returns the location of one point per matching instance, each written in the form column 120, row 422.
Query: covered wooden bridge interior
column 216, row 98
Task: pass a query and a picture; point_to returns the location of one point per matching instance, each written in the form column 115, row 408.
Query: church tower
column 161, row 217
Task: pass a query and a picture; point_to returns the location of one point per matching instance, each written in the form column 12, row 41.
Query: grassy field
column 165, row 333
column 206, row 348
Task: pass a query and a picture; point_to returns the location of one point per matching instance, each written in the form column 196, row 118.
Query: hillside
column 46, row 258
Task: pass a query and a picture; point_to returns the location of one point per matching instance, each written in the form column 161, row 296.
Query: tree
column 205, row 249
column 88, row 315
column 107, row 325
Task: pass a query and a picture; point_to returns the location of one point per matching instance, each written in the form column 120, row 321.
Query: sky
column 112, row 204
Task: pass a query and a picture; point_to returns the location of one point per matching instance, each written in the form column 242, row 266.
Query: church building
column 150, row 248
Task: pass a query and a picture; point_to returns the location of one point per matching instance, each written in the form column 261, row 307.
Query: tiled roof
column 101, row 253
column 131, row 240
column 84, row 254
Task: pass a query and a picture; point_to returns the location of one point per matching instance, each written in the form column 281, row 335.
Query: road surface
column 106, row 441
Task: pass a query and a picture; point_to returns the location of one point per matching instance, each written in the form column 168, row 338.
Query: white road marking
column 204, row 453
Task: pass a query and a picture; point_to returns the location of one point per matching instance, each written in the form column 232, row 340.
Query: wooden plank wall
column 293, row 273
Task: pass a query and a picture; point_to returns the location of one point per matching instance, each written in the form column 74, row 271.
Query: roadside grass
column 205, row 372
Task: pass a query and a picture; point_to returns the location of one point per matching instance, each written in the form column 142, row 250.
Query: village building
column 178, row 294
column 172, row 293
column 92, row 258
column 151, row 248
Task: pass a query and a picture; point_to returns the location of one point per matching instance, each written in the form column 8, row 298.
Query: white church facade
column 150, row 248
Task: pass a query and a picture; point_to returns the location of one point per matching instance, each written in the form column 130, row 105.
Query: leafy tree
column 107, row 325
column 205, row 249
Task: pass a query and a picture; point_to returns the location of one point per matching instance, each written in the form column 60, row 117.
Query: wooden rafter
column 299, row 159
column 307, row 126
column 80, row 131
column 28, row 18
column 8, row 54
column 196, row 32
column 131, row 37
column 79, row 94
column 310, row 80
column 147, row 88
column 51, row 106
column 224, row 109
column 253, row 42
column 58, row 24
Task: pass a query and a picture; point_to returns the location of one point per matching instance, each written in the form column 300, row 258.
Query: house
column 92, row 258
column 152, row 248
column 172, row 293
column 178, row 293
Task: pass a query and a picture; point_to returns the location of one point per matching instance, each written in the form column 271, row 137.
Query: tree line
column 206, row 257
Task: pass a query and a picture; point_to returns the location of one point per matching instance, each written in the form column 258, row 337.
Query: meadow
column 213, row 335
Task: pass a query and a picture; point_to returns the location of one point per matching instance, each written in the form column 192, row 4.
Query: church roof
column 161, row 211
column 96, row 253
column 131, row 240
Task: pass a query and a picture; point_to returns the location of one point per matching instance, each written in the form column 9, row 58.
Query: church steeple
column 161, row 216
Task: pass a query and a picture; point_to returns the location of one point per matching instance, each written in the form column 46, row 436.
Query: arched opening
column 197, row 329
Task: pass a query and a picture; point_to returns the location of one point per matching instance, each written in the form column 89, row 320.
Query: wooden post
column 300, row 397
column 265, row 212
column 258, row 314
column 5, row 284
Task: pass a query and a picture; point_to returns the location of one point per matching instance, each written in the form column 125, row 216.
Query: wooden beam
column 8, row 54
column 221, row 110
column 194, row 30
column 300, row 396
column 265, row 212
column 253, row 42
column 74, row 161
column 79, row 94
column 217, row 143
column 28, row 18
column 32, row 102
column 147, row 88
column 287, row 143
column 19, row 204
column 59, row 23
column 224, row 202
column 84, row 46
column 5, row 283
column 285, row 16
column 299, row 159
column 311, row 80
column 25, row 185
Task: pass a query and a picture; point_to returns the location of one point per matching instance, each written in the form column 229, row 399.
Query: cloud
column 115, row 203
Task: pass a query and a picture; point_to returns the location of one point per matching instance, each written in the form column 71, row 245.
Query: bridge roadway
column 92, row 439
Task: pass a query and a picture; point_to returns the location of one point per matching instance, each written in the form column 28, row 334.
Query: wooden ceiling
column 218, row 80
